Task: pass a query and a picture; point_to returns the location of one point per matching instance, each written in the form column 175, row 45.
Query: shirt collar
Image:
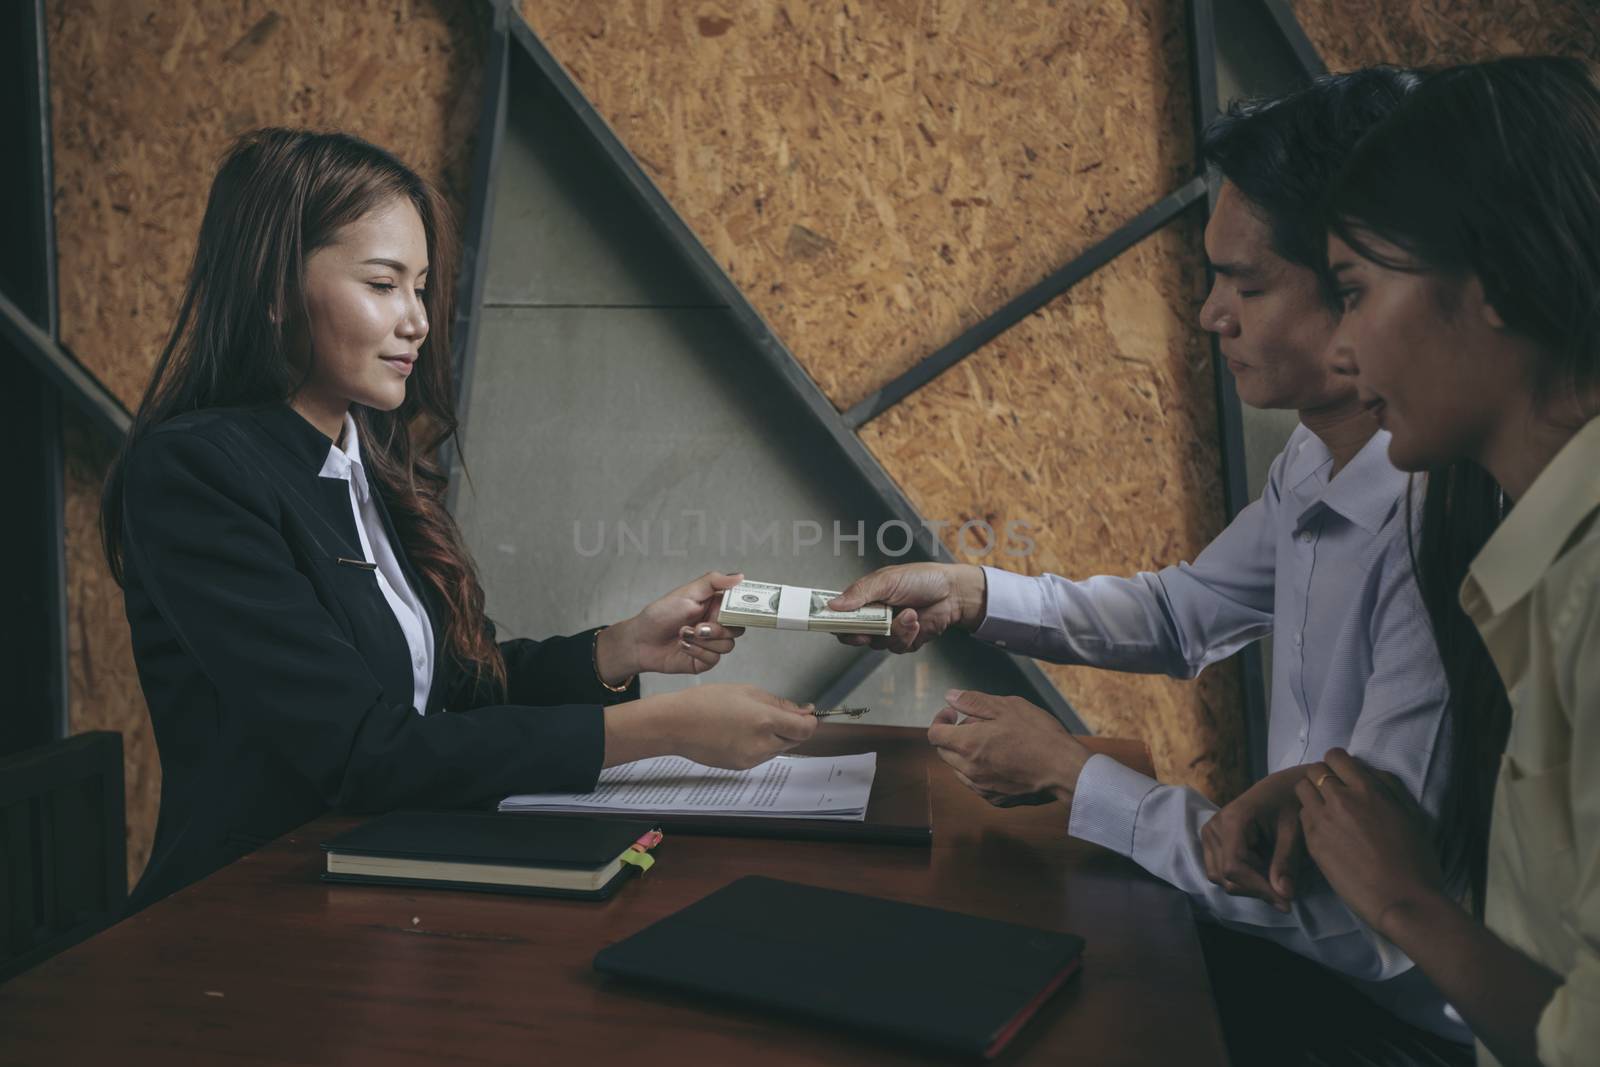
column 1564, row 494
column 344, row 460
column 1366, row 490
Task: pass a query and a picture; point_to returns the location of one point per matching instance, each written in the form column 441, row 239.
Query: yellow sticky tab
column 642, row 860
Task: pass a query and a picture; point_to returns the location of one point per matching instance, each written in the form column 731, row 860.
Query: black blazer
column 279, row 681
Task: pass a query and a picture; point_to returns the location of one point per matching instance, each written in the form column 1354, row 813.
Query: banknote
column 760, row 604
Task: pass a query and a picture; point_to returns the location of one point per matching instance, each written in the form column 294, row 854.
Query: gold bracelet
column 595, row 655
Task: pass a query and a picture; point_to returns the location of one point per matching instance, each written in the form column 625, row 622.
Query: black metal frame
column 77, row 385
column 475, row 237
column 1230, row 417
column 53, row 448
column 44, row 217
column 54, row 573
column 107, row 413
column 842, row 428
column 40, row 709
column 1305, row 53
column 1203, row 50
column 767, row 345
column 1032, row 299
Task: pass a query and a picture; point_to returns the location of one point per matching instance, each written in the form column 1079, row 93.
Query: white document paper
column 790, row 787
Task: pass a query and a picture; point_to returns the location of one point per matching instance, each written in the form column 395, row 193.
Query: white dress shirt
column 1323, row 566
column 344, row 462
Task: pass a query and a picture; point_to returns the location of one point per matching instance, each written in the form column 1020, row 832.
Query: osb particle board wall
column 103, row 685
column 878, row 175
column 1039, row 427
column 1351, row 33
column 144, row 98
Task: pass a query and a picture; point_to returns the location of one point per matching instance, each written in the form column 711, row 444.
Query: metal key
column 853, row 713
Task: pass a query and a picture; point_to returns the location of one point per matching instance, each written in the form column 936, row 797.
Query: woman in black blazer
column 308, row 627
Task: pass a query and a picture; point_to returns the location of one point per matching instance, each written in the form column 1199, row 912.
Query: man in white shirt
column 1321, row 562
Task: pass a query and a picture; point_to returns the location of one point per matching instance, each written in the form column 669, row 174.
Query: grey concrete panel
column 911, row 687
column 1252, row 58
column 618, row 453
column 564, row 230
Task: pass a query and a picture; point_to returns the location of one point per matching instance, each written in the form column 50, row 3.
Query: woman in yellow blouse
column 1465, row 246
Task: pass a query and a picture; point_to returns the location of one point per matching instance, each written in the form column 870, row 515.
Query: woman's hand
column 678, row 634
column 1238, row 839
column 734, row 726
column 1368, row 838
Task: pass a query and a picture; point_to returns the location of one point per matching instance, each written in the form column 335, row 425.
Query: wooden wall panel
column 1354, row 33
column 1092, row 422
column 104, row 691
column 145, row 97
column 878, row 174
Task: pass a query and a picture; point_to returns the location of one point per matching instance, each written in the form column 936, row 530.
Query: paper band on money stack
column 794, row 607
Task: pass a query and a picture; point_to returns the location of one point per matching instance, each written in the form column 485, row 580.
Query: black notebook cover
column 488, row 837
column 938, row 978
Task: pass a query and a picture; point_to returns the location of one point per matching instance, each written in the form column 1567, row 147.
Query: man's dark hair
column 1284, row 153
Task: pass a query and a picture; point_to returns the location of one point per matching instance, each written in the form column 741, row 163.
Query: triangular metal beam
column 767, row 346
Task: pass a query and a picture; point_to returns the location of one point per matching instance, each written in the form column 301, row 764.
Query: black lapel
column 305, row 449
column 333, row 501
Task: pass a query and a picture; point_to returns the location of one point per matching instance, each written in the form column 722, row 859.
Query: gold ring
column 1325, row 776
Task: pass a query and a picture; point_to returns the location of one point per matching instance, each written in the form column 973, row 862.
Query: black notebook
column 938, row 978
column 554, row 856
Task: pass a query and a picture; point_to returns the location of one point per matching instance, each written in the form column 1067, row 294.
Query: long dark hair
column 279, row 195
column 1489, row 170
column 1461, row 508
column 1493, row 170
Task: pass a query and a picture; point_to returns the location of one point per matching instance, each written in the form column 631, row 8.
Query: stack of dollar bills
column 792, row 607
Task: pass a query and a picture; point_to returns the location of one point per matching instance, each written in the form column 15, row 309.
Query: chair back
column 63, row 865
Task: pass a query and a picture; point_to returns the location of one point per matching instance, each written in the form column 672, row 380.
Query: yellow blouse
column 1534, row 593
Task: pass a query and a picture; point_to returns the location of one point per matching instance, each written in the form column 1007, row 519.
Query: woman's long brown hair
column 280, row 195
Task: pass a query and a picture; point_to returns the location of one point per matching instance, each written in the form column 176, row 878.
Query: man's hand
column 935, row 596
column 1236, row 840
column 1007, row 750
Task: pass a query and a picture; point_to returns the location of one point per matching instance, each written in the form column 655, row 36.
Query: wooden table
column 263, row 964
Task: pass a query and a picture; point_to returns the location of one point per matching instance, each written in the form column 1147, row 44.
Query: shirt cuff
column 1106, row 802
column 1012, row 613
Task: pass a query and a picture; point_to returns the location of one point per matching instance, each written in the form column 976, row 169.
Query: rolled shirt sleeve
column 1175, row 621
column 1158, row 827
column 1400, row 726
column 1380, row 690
